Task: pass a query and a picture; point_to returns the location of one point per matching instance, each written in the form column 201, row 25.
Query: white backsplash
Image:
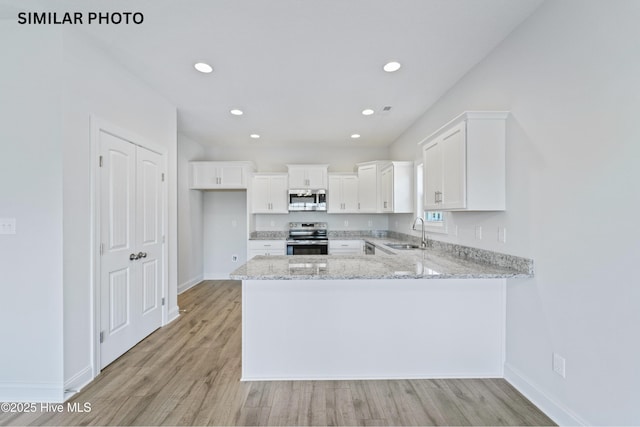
column 334, row 221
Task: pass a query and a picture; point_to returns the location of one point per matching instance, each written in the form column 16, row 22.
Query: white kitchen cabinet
column 342, row 193
column 265, row 247
column 397, row 187
column 308, row 176
column 368, row 187
column 269, row 193
column 220, row 175
column 464, row 163
column 346, row 247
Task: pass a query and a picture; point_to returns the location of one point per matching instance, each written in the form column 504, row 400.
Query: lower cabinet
column 265, row 247
column 346, row 247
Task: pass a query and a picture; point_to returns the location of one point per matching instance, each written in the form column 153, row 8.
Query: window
column 434, row 221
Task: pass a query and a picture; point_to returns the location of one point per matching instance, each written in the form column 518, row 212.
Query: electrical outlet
column 346, row 223
column 478, row 232
column 502, row 235
column 234, row 258
column 7, row 226
column 454, row 232
column 370, row 223
column 559, row 365
column 273, row 223
column 234, row 223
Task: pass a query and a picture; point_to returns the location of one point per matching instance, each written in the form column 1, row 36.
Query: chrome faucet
column 423, row 243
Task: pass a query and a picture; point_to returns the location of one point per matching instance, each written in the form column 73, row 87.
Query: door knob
column 133, row 257
column 142, row 255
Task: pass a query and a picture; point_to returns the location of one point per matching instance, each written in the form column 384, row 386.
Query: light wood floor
column 188, row 374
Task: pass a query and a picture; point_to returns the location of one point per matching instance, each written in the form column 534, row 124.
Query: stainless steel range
column 307, row 238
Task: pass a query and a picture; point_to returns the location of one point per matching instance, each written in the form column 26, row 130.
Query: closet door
column 131, row 245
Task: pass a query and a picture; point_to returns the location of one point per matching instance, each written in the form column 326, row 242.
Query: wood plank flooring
column 188, row 373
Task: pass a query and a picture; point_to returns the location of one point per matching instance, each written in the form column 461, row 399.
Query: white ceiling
column 303, row 70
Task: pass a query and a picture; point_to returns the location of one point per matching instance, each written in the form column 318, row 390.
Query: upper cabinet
column 464, row 163
column 368, row 187
column 342, row 193
column 220, row 175
column 385, row 187
column 269, row 193
column 397, row 187
column 308, row 176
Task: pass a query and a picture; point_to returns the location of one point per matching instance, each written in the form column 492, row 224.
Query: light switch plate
column 7, row 226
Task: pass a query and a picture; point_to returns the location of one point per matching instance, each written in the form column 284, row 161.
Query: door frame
column 97, row 125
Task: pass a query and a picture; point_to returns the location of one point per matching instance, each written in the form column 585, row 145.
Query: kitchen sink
column 403, row 246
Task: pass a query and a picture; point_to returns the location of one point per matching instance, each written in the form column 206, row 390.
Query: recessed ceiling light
column 236, row 112
column 355, row 136
column 390, row 67
column 367, row 112
column 254, row 136
column 203, row 67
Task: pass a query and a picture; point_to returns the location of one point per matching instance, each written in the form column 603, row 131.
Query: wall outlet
column 502, row 235
column 234, row 223
column 559, row 365
column 7, row 226
column 272, row 223
column 370, row 224
column 478, row 232
column 454, row 231
column 346, row 223
column 234, row 258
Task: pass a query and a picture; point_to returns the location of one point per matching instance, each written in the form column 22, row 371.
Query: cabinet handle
column 358, row 205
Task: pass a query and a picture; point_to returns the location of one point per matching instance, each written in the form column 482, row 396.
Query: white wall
column 225, row 232
column 31, row 185
column 334, row 221
column 569, row 75
column 275, row 159
column 190, row 217
column 53, row 80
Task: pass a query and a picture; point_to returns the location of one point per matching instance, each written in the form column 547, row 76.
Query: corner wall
column 190, row 218
column 569, row 76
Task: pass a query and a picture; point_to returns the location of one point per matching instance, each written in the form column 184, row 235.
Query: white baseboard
column 555, row 410
column 189, row 284
column 77, row 382
column 31, row 392
column 172, row 315
column 217, row 276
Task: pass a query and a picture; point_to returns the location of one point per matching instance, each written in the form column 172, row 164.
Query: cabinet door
column 334, row 195
column 231, row 176
column 432, row 157
column 297, row 178
column 350, row 194
column 454, row 169
column 317, row 177
column 386, row 182
column 203, row 175
column 278, row 194
column 260, row 198
column 367, row 189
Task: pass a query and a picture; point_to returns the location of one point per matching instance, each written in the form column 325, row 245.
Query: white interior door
column 131, row 240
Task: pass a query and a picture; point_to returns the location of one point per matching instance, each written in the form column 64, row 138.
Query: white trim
column 189, row 284
column 31, row 392
column 173, row 315
column 462, row 376
column 96, row 125
column 77, row 382
column 555, row 410
column 217, row 276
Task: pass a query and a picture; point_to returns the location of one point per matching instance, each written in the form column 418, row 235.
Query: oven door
column 308, row 247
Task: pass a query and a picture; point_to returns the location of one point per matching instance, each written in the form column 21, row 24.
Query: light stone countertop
column 432, row 263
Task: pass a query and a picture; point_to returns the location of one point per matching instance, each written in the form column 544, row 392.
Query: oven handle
column 307, row 242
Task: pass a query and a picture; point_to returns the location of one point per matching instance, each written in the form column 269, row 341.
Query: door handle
column 142, row 255
column 133, row 257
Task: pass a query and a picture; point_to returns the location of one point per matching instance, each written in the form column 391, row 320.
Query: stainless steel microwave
column 307, row 200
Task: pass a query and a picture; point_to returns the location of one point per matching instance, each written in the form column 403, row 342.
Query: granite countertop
column 443, row 261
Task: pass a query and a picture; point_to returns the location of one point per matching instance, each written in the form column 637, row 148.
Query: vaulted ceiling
column 302, row 71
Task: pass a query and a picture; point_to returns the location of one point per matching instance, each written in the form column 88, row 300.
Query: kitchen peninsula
column 434, row 313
